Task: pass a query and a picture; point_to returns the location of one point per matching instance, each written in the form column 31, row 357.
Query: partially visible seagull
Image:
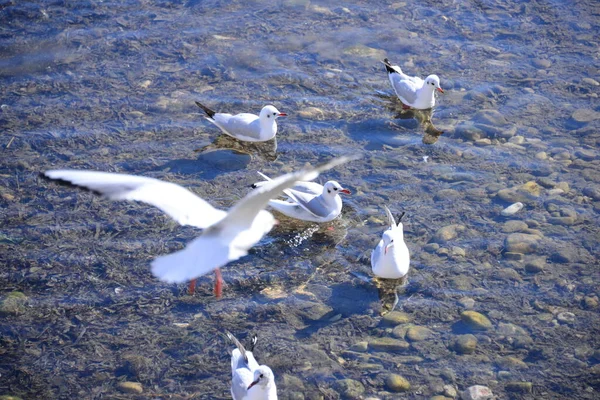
column 411, row 90
column 245, row 126
column 250, row 381
column 309, row 201
column 226, row 237
column 391, row 259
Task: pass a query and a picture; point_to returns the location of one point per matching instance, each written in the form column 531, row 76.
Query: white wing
column 305, row 187
column 390, row 217
column 239, row 125
column 405, row 89
column 311, row 203
column 177, row 202
column 376, row 254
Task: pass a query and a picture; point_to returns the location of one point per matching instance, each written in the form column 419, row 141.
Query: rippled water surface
column 111, row 86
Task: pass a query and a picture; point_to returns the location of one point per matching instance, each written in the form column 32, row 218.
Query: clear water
column 111, row 86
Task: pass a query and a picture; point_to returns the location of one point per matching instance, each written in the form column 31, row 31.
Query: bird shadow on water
column 209, row 164
column 266, row 150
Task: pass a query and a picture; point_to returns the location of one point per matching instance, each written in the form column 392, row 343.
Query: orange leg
column 192, row 287
column 218, row 283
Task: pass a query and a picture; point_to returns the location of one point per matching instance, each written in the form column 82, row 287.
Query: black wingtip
column 400, row 216
column 254, row 186
column 207, row 110
column 238, row 344
column 63, row 182
column 388, row 66
column 253, row 342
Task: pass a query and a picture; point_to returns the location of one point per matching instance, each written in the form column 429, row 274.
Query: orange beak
column 345, row 191
column 387, row 247
column 440, row 90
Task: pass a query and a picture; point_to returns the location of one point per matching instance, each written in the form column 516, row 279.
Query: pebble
column 523, row 243
column 566, row 317
column 536, row 265
column 587, row 155
column 476, row 320
column 431, row 247
column 585, row 115
column 514, row 226
column 465, row 344
column 349, row 388
column 467, row 302
column 13, row 303
column 590, row 81
column 388, row 344
column 447, row 233
column 450, row 391
column 396, row 383
column 312, row 113
column 360, row 347
column 130, row 387
column 590, row 302
column 418, row 333
column 490, row 117
column 542, row 63
column 519, row 387
column 512, row 209
column 477, row 392
column 593, row 192
column 542, row 155
column 510, row 363
column 394, row 318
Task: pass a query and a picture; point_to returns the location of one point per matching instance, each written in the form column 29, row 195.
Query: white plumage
column 391, row 258
column 412, row 90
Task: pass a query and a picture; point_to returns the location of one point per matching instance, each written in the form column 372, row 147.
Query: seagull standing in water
column 309, row 201
column 226, row 235
column 391, row 259
column 411, row 90
column 245, row 126
column 250, row 381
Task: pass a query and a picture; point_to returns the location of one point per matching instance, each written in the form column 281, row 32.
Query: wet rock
column 312, row 113
column 564, row 221
column 593, row 192
column 514, row 226
column 513, row 256
column 396, row 383
column 483, row 142
column 466, row 302
column 456, row 251
column 563, row 256
column 365, row 51
column 447, row 194
column 541, row 63
column 440, row 397
column 9, row 397
column 585, row 154
column 520, row 194
column 542, row 155
column 566, row 317
column 399, row 332
column 510, row 363
column 360, row 347
column 447, row 233
column 450, row 391
column 395, row 318
column 521, row 243
column 130, row 387
column 388, row 344
column 465, row 344
column 349, row 388
column 512, row 209
column 585, row 115
column 477, row 392
column 475, row 320
column 13, row 303
column 590, row 302
column 519, row 387
column 490, row 117
column 418, row 333
column 509, row 274
column 431, row 247
column 536, row 265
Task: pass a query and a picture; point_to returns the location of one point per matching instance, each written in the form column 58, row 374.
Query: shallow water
column 111, row 86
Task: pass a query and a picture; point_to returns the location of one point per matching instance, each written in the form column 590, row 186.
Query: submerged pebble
column 512, row 209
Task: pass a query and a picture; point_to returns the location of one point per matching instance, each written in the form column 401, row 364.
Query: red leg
column 218, row 283
column 192, row 287
column 405, row 107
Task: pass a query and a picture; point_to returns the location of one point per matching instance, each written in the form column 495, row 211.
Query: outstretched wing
column 179, row 203
column 311, row 203
column 244, row 212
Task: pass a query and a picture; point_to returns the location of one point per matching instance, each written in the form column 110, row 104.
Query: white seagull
column 250, row 381
column 411, row 90
column 226, row 236
column 245, row 126
column 391, row 259
column 309, row 201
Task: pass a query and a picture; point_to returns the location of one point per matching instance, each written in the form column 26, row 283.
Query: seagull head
column 263, row 376
column 434, row 82
column 270, row 113
column 391, row 237
column 332, row 188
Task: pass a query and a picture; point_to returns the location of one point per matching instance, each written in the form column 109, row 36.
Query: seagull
column 391, row 259
column 412, row 90
column 309, row 201
column 250, row 381
column 226, row 235
column 245, row 126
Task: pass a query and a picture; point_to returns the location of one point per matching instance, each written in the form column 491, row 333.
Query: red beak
column 345, row 191
column 282, row 115
column 252, row 384
column 440, row 90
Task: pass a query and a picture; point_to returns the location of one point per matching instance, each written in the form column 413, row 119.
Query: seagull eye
column 392, row 241
column 274, row 113
column 328, row 191
column 335, row 189
column 268, row 116
column 261, row 376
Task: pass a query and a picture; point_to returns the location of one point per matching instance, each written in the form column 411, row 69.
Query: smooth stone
column 511, row 362
column 520, row 194
column 457, row 251
column 312, row 113
column 566, row 317
column 590, row 81
column 467, row 302
column 447, row 194
column 418, row 333
column 517, row 139
column 450, row 391
column 431, row 247
column 447, row 233
column 562, row 256
column 521, row 243
column 477, row 392
column 399, row 332
column 513, row 256
column 440, row 397
column 512, row 209
column 130, row 387
column 514, row 226
column 360, row 347
column 542, row 63
column 542, row 155
column 396, row 383
column 490, row 117
column 13, row 303
column 483, row 142
column 395, row 318
column 536, row 265
column 476, row 320
column 349, row 388
column 388, row 344
column 593, row 192
column 9, row 397
column 564, row 221
column 519, row 387
column 365, row 51
column 585, row 154
column 465, row 344
column 590, row 302
column 585, row 115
